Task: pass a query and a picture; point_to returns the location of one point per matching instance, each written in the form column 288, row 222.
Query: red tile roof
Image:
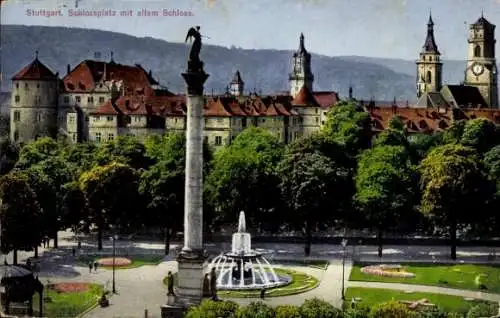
column 214, row 107
column 36, row 70
column 326, row 99
column 304, row 98
column 415, row 119
column 85, row 76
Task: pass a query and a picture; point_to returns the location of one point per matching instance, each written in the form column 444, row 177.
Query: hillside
column 263, row 70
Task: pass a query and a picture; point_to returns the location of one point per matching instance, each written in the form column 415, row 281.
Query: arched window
column 429, row 77
column 477, row 51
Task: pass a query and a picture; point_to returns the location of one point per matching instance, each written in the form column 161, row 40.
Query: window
column 97, row 118
column 175, row 120
column 26, row 86
column 16, row 135
column 477, row 51
column 111, row 137
column 220, row 120
column 316, row 110
column 66, row 99
column 98, row 136
column 127, row 119
column 74, row 136
column 17, row 115
column 90, row 99
column 37, row 85
column 38, row 99
column 86, row 119
column 101, row 100
column 17, row 98
column 218, row 140
column 71, row 119
column 429, row 77
column 17, row 85
column 317, row 120
column 109, row 118
column 38, row 117
column 78, row 99
column 137, row 119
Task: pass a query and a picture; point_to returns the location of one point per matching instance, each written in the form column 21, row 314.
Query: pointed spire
column 430, row 45
column 112, row 56
column 36, row 55
column 350, row 92
column 394, row 103
column 237, row 78
column 302, row 47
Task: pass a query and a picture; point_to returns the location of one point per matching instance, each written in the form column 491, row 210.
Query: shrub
column 256, row 310
column 391, row 309
column 287, row 311
column 213, row 309
column 357, row 312
column 313, row 308
column 482, row 310
column 432, row 312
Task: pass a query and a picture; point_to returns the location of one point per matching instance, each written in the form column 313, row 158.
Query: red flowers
column 70, row 287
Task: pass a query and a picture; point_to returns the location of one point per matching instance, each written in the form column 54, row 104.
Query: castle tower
column 481, row 70
column 301, row 74
column 429, row 66
column 33, row 111
column 237, row 85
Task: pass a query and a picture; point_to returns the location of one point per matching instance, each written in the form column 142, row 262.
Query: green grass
column 373, row 296
column 137, row 260
column 461, row 276
column 68, row 304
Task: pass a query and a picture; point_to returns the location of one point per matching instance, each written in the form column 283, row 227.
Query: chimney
column 68, row 69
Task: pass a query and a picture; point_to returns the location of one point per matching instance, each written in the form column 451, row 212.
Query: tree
column 312, row 308
column 47, row 179
column 256, row 310
column 213, row 309
column 20, row 214
column 81, row 155
column 287, row 311
column 421, row 144
column 244, row 178
column 313, row 187
column 126, row 149
column 9, row 154
column 391, row 309
column 74, row 208
column 348, row 124
column 454, row 184
column 36, row 151
column 111, row 194
column 480, row 134
column 385, row 184
column 454, row 133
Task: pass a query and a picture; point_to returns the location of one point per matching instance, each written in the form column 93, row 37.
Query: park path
column 427, row 289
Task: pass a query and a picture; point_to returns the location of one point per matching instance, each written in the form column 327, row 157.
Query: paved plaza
column 141, row 288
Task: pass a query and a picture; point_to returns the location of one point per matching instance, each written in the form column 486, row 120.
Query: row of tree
column 341, row 176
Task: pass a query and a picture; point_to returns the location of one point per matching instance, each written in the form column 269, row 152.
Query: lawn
column 373, row 296
column 461, row 276
column 72, row 304
column 137, row 260
column 301, row 282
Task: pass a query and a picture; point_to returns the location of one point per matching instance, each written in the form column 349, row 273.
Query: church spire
column 302, row 47
column 430, row 45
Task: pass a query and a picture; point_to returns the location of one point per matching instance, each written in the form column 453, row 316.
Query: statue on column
column 213, row 284
column 195, row 65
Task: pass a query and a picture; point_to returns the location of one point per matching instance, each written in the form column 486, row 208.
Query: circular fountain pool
column 243, row 268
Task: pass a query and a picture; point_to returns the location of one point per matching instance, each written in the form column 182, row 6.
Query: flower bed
column 386, row 270
column 119, row 261
column 70, row 287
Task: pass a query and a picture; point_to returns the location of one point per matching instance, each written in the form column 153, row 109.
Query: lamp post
column 344, row 244
column 113, row 238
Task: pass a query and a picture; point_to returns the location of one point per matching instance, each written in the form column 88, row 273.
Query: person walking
column 90, row 267
column 95, row 266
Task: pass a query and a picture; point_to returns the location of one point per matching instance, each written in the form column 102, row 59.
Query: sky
column 376, row 28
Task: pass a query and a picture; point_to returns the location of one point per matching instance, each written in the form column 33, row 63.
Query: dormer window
column 78, row 99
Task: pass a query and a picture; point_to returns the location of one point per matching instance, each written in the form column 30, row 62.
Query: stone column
column 191, row 259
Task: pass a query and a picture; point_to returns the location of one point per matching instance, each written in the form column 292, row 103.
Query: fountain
column 244, row 268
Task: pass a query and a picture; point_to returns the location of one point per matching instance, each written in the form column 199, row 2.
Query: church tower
column 481, row 71
column 429, row 66
column 237, row 85
column 301, row 74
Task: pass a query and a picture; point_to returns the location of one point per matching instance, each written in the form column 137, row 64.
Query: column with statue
column 192, row 258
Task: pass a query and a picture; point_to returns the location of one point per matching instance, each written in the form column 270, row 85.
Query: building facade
column 99, row 101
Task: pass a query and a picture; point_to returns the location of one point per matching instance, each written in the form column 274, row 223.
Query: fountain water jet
column 244, row 268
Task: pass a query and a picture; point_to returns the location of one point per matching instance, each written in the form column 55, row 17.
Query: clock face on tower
column 477, row 69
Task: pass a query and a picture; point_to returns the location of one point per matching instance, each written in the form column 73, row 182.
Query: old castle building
column 99, row 101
